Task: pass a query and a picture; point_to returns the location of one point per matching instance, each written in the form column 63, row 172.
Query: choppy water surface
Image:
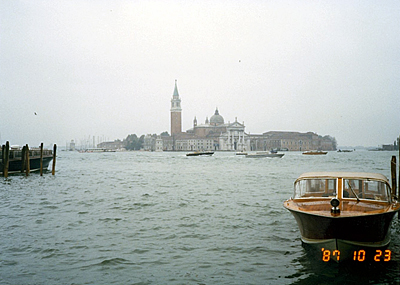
column 164, row 218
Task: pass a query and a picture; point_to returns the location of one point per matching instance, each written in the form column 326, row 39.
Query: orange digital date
column 358, row 255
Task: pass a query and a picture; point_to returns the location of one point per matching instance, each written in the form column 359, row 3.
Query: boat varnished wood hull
column 367, row 229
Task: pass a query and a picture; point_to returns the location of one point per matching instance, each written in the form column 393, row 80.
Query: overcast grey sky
column 107, row 68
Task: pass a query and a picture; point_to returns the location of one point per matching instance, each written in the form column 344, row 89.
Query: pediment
column 235, row 125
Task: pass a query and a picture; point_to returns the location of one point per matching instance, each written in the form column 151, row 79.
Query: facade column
column 239, row 142
column 229, row 141
column 233, row 140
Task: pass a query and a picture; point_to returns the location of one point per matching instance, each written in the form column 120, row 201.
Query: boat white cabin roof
column 343, row 174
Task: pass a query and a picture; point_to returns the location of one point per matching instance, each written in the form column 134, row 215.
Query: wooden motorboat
column 264, row 154
column 315, row 152
column 342, row 212
column 199, row 153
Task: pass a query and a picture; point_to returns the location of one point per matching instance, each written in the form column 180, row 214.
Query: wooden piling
column 53, row 169
column 23, row 159
column 3, row 149
column 28, row 166
column 6, row 159
column 393, row 174
column 41, row 159
column 398, row 191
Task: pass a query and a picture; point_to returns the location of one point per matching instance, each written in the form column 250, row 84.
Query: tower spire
column 176, row 94
column 176, row 110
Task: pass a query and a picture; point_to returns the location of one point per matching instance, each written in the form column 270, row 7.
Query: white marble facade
column 234, row 138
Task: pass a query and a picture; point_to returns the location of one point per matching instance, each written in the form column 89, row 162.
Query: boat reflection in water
column 261, row 154
column 315, row 152
column 344, row 215
column 200, row 153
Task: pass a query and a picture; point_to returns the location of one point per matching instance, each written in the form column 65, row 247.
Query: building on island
column 112, row 145
column 292, row 141
column 72, row 146
column 215, row 134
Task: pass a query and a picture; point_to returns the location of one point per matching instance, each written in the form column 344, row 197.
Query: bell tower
column 176, row 112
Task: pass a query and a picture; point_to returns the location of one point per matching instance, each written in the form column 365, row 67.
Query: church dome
column 216, row 119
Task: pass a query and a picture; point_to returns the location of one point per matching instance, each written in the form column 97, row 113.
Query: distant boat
column 199, row 153
column 241, row 153
column 315, row 152
column 345, row 150
column 344, row 214
column 15, row 159
column 261, row 154
column 95, row 149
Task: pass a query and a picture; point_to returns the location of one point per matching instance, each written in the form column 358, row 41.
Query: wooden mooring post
column 3, row 149
column 23, row 159
column 5, row 156
column 28, row 166
column 41, row 159
column 53, row 169
column 6, row 159
column 393, row 175
column 393, row 169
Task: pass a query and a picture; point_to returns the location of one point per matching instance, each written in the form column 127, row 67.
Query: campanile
column 176, row 112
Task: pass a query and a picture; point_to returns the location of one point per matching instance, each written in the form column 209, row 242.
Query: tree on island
column 333, row 140
column 133, row 142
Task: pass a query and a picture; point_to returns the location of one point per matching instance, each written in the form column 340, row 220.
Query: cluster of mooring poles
column 25, row 159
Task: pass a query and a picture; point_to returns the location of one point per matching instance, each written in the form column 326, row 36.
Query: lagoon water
column 164, row 218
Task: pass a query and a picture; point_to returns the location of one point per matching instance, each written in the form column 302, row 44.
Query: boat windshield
column 309, row 188
column 366, row 189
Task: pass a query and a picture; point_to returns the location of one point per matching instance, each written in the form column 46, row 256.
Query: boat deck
column 348, row 208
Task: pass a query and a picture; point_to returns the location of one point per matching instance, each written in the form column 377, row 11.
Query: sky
column 107, row 68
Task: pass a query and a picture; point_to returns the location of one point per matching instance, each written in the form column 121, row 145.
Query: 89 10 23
column 359, row 255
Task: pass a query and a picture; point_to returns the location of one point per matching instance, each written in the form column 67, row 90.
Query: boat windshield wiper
column 352, row 191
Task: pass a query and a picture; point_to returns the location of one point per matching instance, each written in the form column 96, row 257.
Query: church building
column 213, row 134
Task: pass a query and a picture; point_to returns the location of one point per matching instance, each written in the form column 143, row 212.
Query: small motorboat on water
column 200, row 153
column 261, row 154
column 241, row 153
column 346, row 215
column 91, row 150
column 315, row 152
